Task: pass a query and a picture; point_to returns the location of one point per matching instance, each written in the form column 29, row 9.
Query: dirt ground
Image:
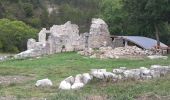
column 8, row 80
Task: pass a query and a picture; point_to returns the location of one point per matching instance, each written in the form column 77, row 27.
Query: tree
column 111, row 11
column 152, row 16
column 14, row 35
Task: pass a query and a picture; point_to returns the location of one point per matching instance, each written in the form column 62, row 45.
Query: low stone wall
column 122, row 73
column 4, row 58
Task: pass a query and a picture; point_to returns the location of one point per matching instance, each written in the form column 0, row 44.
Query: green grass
column 58, row 67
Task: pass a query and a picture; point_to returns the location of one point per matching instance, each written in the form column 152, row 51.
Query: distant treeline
column 35, row 12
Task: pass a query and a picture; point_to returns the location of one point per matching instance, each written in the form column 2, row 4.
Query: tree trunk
column 157, row 36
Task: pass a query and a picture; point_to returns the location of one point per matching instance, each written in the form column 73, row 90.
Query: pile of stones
column 109, row 52
column 119, row 74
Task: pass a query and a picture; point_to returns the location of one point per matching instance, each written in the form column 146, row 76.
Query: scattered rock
column 132, row 74
column 77, row 86
column 65, row 85
column 44, row 83
column 86, row 78
column 78, row 82
column 157, row 57
column 109, row 75
column 120, row 70
column 145, row 71
column 98, row 73
column 70, row 80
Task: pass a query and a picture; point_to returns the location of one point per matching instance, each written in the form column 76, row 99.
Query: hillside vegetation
column 134, row 17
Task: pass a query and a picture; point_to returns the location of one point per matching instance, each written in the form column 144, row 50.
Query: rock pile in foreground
column 109, row 52
column 121, row 73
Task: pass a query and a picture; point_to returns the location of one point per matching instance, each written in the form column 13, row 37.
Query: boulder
column 98, row 73
column 70, row 79
column 64, row 85
column 162, row 69
column 86, row 78
column 77, row 86
column 132, row 74
column 44, row 83
column 78, row 82
column 110, row 75
column 128, row 74
column 120, row 70
column 155, row 73
column 144, row 71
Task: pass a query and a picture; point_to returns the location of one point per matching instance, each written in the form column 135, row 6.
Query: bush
column 14, row 35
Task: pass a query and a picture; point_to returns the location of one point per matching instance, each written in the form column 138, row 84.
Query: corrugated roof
column 144, row 42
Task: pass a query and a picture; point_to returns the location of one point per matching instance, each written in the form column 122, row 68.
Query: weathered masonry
column 61, row 38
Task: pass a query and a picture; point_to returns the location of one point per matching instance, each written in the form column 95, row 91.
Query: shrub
column 14, row 35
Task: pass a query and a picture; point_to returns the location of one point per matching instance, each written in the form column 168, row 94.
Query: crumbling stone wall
column 68, row 34
column 42, row 36
column 99, row 34
column 66, row 37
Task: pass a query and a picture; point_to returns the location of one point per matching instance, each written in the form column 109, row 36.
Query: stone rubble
column 44, row 83
column 122, row 73
column 109, row 52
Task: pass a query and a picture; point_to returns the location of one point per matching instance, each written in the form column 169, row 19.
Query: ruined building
column 62, row 38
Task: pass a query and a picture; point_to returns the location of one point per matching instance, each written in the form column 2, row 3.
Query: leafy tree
column 114, row 15
column 151, row 16
column 14, row 35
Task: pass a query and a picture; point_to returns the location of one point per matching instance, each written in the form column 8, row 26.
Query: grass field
column 58, row 67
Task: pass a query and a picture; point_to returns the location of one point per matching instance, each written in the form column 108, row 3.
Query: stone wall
column 66, row 37
column 120, row 74
column 99, row 34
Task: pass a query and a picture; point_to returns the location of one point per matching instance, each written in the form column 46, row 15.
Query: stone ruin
column 62, row 38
